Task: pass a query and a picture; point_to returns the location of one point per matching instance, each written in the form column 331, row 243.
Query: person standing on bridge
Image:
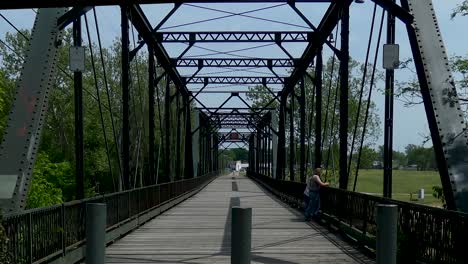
column 314, row 183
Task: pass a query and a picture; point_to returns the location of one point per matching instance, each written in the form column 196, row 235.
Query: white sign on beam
column 391, row 56
column 77, row 59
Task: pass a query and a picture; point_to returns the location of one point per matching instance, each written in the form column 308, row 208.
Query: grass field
column 404, row 183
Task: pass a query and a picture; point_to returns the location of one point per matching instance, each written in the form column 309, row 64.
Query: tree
column 6, row 99
column 423, row 157
column 239, row 154
column 399, row 158
column 102, row 165
column 368, row 156
column 462, row 9
column 409, row 91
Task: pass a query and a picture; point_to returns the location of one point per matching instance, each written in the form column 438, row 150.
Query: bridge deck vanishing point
column 198, row 231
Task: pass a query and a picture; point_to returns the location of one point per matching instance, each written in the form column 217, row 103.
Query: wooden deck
column 198, row 231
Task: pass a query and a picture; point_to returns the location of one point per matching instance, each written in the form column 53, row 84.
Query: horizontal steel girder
column 256, row 63
column 234, row 80
column 69, row 3
column 270, row 36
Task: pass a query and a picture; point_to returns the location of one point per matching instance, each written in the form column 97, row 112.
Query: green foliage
column 238, row 154
column 52, row 182
column 5, row 102
column 368, row 156
column 423, row 157
column 102, row 168
column 4, row 253
column 438, row 193
column 409, row 93
column 462, row 9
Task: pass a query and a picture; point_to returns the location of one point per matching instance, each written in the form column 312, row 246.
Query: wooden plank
column 198, row 231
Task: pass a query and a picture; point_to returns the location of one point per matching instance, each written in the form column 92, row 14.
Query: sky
column 410, row 124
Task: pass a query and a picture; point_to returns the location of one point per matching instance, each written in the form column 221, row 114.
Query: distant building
column 377, row 164
column 241, row 166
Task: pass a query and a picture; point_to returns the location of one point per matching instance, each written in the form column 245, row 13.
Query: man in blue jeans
column 314, row 183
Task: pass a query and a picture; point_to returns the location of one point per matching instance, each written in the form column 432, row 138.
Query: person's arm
column 317, row 179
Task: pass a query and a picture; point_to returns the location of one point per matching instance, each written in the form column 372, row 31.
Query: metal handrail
column 425, row 234
column 42, row 234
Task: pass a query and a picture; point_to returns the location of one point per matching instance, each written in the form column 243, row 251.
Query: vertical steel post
column 265, row 156
column 292, row 145
column 241, row 235
column 260, row 150
column 95, row 233
column 387, row 224
column 188, row 140
column 167, row 120
column 63, row 234
column 257, row 148
column 30, row 238
column 318, row 109
column 269, row 153
column 281, row 141
column 79, row 137
column 125, row 98
column 388, row 130
column 302, row 101
column 344, row 75
column 151, row 102
column 177, row 167
column 200, row 149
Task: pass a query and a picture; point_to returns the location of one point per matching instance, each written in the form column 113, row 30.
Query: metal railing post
column 241, row 235
column 30, row 235
column 62, row 222
column 387, row 215
column 95, row 233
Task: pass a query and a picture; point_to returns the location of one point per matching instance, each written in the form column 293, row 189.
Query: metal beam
column 125, row 98
column 69, row 3
column 396, row 10
column 281, row 160
column 72, row 15
column 151, row 121
column 325, row 28
column 292, row 143
column 234, row 80
column 226, row 91
column 388, row 125
column 445, row 118
column 188, row 140
column 233, row 36
column 235, row 108
column 79, row 136
column 318, row 111
column 302, row 102
column 143, row 26
column 235, row 62
column 344, row 94
column 23, row 133
column 167, row 133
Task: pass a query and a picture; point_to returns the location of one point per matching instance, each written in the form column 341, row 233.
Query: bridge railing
column 425, row 234
column 44, row 234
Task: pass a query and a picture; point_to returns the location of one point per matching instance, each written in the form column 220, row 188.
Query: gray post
column 387, row 215
column 95, row 233
column 241, row 235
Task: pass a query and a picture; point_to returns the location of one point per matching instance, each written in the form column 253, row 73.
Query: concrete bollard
column 241, row 235
column 95, row 233
column 387, row 223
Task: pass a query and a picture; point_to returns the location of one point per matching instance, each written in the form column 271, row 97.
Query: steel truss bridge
column 191, row 148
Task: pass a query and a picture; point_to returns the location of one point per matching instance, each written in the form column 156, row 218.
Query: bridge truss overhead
column 198, row 133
